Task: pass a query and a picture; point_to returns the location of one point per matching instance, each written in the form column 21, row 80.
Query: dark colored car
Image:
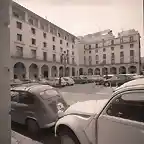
column 117, row 80
column 79, row 80
column 37, row 106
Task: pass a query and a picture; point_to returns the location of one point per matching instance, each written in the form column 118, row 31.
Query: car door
column 14, row 101
column 25, row 106
column 122, row 121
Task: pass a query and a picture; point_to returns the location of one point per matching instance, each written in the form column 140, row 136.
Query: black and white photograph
column 72, row 72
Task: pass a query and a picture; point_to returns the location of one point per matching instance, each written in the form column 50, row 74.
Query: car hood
column 90, row 107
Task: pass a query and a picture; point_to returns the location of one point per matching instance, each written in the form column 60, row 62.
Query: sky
column 81, row 17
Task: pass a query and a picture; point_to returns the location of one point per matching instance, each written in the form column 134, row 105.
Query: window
column 104, row 56
column 25, row 98
column 96, row 51
column 121, row 46
column 59, row 34
column 14, row 96
column 67, row 44
column 54, row 57
column 84, row 52
column 122, row 54
column 19, row 51
column 31, row 21
column 19, row 37
column 33, row 53
column 89, row 46
column 131, row 45
column 33, row 41
column 96, row 45
column 89, row 51
column 53, row 47
column 72, row 52
column 61, row 49
column 72, row 46
column 33, row 30
column 44, row 44
column 73, row 61
column 104, row 49
column 97, row 62
column 112, row 42
column 90, row 58
column 97, row 57
column 112, row 48
column 53, row 38
column 131, row 52
column 128, row 106
column 19, row 25
column 65, row 38
column 44, row 56
column 61, row 41
column 131, row 38
column 44, row 35
column 67, row 51
column 112, row 55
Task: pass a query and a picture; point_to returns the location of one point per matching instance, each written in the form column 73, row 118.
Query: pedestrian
column 60, row 81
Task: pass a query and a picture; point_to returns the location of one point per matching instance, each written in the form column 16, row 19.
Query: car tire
column 33, row 127
column 66, row 136
column 107, row 84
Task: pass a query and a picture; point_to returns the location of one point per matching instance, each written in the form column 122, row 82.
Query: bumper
column 49, row 125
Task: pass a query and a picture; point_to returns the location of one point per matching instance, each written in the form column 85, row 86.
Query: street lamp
column 64, row 57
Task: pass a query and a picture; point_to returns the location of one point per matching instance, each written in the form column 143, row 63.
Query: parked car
column 63, row 82
column 118, row 120
column 69, row 81
column 37, row 106
column 79, row 80
column 86, row 78
column 15, row 82
column 117, row 80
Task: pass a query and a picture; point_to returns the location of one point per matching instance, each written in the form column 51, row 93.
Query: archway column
column 27, row 73
column 49, row 74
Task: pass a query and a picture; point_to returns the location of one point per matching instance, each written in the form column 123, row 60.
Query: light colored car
column 119, row 120
column 37, row 106
column 69, row 80
column 63, row 82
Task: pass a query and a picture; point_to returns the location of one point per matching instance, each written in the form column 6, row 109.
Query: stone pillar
column 27, row 72
column 39, row 72
column 5, row 104
column 49, row 74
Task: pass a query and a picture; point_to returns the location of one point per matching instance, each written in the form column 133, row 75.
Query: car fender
column 76, row 124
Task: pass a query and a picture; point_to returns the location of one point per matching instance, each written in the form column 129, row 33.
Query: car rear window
column 49, row 93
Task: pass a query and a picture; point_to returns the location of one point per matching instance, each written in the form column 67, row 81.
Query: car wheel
column 66, row 136
column 107, row 84
column 32, row 127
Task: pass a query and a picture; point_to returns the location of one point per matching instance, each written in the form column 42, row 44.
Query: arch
column 122, row 70
column 33, row 71
column 45, row 71
column 90, row 71
column 113, row 70
column 61, row 71
column 19, row 70
column 67, row 73
column 104, row 71
column 97, row 71
column 132, row 69
column 73, row 71
column 54, row 72
column 81, row 71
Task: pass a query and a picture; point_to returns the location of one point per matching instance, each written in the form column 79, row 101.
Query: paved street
column 71, row 94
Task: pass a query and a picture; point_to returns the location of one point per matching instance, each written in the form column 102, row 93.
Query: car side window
column 26, row 98
column 14, row 96
column 128, row 106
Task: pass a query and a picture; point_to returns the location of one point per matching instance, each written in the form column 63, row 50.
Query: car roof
column 131, row 85
column 32, row 87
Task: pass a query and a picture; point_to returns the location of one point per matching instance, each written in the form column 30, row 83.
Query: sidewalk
column 17, row 138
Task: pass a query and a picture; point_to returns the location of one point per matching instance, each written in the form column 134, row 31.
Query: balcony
column 19, row 54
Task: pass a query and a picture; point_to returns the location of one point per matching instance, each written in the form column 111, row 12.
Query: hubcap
column 66, row 140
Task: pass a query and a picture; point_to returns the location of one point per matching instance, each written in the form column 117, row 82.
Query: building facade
column 39, row 48
column 103, row 53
